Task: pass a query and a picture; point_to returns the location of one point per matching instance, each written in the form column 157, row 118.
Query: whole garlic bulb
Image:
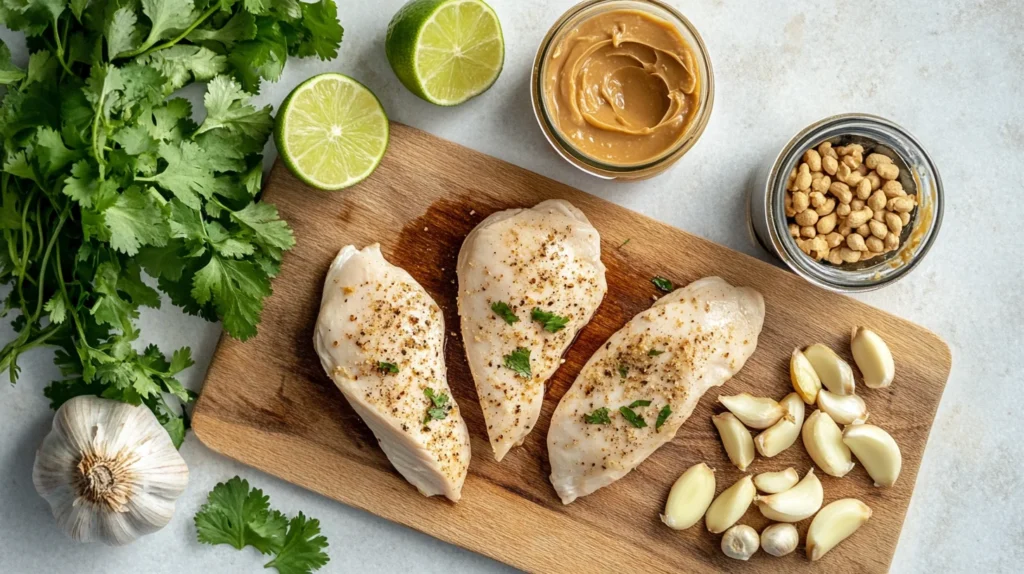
column 109, row 471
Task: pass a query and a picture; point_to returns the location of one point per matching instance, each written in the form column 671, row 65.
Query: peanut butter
column 621, row 87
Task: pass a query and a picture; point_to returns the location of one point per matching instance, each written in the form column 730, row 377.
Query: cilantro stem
column 148, row 48
column 59, row 51
column 46, row 258
column 67, row 299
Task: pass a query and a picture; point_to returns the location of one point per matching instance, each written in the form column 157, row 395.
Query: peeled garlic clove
column 835, row 523
column 873, row 358
column 795, row 504
column 877, row 451
column 775, row 482
column 779, row 539
column 690, row 497
column 740, row 542
column 736, row 439
column 784, row 433
column 844, row 409
column 835, row 373
column 824, row 442
column 755, row 412
column 730, row 506
column 805, row 380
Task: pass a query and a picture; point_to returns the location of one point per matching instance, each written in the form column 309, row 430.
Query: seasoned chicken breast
column 529, row 280
column 638, row 389
column 380, row 337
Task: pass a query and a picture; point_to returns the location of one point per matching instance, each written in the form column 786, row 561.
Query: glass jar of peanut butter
column 622, row 88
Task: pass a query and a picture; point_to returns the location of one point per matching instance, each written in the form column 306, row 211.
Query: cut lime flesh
column 332, row 132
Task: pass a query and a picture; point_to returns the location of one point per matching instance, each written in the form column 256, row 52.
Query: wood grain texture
column 268, row 403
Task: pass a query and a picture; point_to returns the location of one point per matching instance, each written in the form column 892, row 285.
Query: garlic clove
column 805, row 380
column 690, row 497
column 784, row 433
column 755, row 412
column 873, row 358
column 730, row 506
column 824, row 442
column 835, row 373
column 779, row 539
column 795, row 504
column 109, row 471
column 844, row 409
column 835, row 523
column 776, row 482
column 876, row 450
column 736, row 439
column 740, row 542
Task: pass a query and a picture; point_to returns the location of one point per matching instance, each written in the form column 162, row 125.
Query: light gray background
column 952, row 72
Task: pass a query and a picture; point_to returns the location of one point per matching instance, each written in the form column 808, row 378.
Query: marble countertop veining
column 951, row 72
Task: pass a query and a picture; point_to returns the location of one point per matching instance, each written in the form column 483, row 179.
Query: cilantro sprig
column 519, row 361
column 663, row 414
column 438, row 407
column 598, row 417
column 663, row 285
column 502, row 310
column 105, row 178
column 549, row 321
column 239, row 516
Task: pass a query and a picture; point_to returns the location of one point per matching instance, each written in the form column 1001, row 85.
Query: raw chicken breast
column 380, row 337
column 695, row 338
column 547, row 259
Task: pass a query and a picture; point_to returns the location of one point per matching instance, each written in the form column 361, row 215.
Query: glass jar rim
column 927, row 181
column 592, row 165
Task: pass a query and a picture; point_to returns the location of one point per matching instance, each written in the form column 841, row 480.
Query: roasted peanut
column 854, row 179
column 876, row 159
column 855, row 242
column 900, row 204
column 829, row 164
column 905, row 218
column 876, row 182
column 843, row 172
column 857, row 204
column 817, row 199
column 862, row 170
column 849, row 255
column 826, row 224
column 834, row 239
column 842, row 210
column 825, row 149
column 876, row 201
column 850, row 161
column 893, row 222
column 803, row 178
column 819, row 247
column 828, row 207
column 878, row 229
column 806, row 217
column 893, row 189
column 813, row 160
column 821, row 184
column 857, row 218
column 864, row 189
column 864, row 230
column 879, row 216
column 808, row 232
column 844, row 229
column 891, row 241
column 874, row 244
column 801, row 201
column 794, row 230
column 834, row 257
column 841, row 191
column 887, row 171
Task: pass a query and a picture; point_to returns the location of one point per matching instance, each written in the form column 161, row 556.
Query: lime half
column 331, row 131
column 446, row 51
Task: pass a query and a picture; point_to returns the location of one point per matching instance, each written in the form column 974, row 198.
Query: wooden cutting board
column 268, row 403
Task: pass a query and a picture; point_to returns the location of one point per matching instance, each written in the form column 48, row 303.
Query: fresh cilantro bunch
column 106, row 177
column 236, row 515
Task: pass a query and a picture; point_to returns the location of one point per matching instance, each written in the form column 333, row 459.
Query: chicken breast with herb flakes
column 529, row 280
column 380, row 337
column 638, row 389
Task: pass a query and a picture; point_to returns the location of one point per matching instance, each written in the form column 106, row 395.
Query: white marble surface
column 952, row 72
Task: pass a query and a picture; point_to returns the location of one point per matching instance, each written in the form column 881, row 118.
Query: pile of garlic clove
column 819, row 377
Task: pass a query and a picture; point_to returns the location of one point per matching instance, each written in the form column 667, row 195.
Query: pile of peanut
column 844, row 207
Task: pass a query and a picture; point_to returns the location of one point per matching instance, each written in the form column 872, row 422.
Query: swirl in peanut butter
column 621, row 87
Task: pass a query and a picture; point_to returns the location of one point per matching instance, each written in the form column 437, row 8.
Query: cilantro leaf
column 598, row 417
column 227, row 106
column 181, row 64
column 639, row 403
column 268, row 229
column 654, row 353
column 303, row 548
column 502, row 310
column 9, row 73
column 623, row 371
column 57, row 309
column 663, row 415
column 166, row 17
column 663, row 284
column 236, row 288
column 633, row 418
column 551, row 323
column 186, row 175
column 322, row 32
column 122, row 35
column 386, row 367
column 134, row 220
column 239, row 516
column 519, row 361
column 440, row 407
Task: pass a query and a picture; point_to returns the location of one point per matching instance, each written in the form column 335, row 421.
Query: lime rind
column 332, row 132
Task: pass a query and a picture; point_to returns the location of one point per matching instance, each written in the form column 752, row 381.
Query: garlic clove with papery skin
column 779, row 539
column 109, row 471
column 740, row 542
